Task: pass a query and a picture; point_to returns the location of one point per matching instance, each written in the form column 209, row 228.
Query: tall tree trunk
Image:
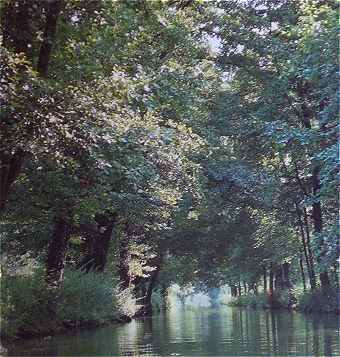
column 317, row 218
column 311, row 275
column 265, row 279
column 271, row 279
column 302, row 273
column 303, row 253
column 123, row 261
column 57, row 251
column 309, row 248
column 98, row 245
column 303, row 92
column 304, row 227
column 336, row 276
column 10, row 167
column 271, row 284
column 55, row 261
column 278, row 273
column 53, row 8
column 287, row 284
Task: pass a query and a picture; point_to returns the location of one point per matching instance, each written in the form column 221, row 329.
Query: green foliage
column 81, row 292
column 24, row 306
column 311, row 301
column 158, row 301
column 25, row 300
column 126, row 302
column 250, row 300
column 320, row 301
column 203, row 158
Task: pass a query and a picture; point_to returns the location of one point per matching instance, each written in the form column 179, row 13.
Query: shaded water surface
column 200, row 332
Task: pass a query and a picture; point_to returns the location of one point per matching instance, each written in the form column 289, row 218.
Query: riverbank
column 62, row 327
column 84, row 301
column 318, row 301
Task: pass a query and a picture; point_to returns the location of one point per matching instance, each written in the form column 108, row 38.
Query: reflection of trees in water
column 328, row 342
column 285, row 333
column 237, row 328
column 268, row 336
column 325, row 334
column 227, row 331
column 274, row 331
column 241, row 325
column 256, row 332
column 306, row 329
column 316, row 338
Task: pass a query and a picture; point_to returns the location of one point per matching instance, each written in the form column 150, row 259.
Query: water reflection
column 201, row 332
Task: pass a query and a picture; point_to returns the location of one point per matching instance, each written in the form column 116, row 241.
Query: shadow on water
column 215, row 332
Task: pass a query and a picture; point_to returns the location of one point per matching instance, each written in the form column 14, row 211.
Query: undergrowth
column 321, row 300
column 83, row 297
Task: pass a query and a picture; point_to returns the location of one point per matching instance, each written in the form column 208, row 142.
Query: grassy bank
column 85, row 300
column 321, row 300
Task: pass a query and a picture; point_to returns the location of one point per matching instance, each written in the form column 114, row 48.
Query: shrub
column 24, row 302
column 89, row 296
column 126, row 302
column 250, row 300
column 24, row 305
column 322, row 300
column 283, row 299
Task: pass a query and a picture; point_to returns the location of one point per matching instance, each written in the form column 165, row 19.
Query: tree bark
column 271, row 279
column 307, row 115
column 287, row 284
column 309, row 248
column 304, row 225
column 98, row 245
column 123, row 262
column 310, row 271
column 265, row 279
column 317, row 218
column 57, row 251
column 53, row 8
column 302, row 273
column 10, row 167
column 279, row 283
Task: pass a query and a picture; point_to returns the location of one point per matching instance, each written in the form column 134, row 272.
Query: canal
column 188, row 331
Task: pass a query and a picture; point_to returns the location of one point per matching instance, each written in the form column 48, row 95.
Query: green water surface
column 223, row 331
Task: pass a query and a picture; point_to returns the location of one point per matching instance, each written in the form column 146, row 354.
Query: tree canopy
column 174, row 141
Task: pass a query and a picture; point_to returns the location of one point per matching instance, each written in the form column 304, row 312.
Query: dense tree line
column 129, row 145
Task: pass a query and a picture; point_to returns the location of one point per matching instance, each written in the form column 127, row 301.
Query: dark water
column 201, row 332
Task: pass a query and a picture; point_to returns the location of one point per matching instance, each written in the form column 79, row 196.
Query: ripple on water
column 202, row 332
